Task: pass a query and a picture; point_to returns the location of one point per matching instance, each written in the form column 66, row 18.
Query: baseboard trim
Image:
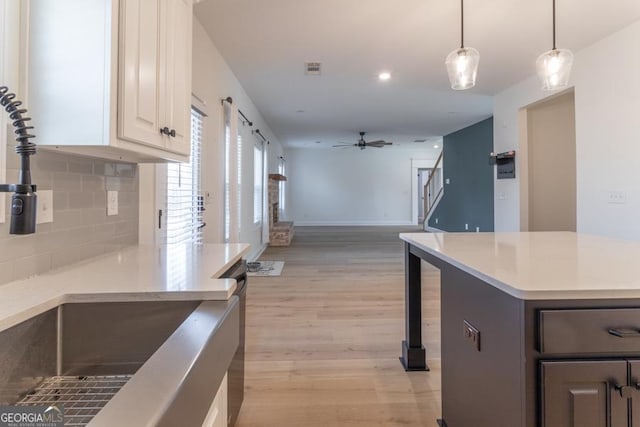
column 351, row 223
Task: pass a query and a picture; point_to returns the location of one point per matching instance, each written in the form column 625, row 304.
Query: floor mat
column 268, row 268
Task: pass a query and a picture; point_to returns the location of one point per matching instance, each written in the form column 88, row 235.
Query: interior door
column 584, row 394
column 423, row 177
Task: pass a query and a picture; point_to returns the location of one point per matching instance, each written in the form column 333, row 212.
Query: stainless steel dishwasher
column 236, row 370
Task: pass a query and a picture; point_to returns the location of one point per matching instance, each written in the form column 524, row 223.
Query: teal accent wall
column 468, row 198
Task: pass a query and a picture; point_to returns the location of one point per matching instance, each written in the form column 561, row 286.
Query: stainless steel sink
column 83, row 396
column 82, row 355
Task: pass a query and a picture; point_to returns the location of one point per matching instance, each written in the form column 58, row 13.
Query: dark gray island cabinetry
column 538, row 329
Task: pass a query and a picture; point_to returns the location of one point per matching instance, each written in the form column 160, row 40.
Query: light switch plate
column 112, row 203
column 45, row 206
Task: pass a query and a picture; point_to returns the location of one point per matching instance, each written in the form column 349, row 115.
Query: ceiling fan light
column 554, row 68
column 462, row 67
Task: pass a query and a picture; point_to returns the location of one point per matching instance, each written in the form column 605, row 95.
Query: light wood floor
column 323, row 339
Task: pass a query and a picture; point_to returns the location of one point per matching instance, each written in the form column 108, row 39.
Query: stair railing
column 433, row 190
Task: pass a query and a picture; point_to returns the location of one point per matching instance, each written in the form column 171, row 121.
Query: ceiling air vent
column 420, row 140
column 312, row 68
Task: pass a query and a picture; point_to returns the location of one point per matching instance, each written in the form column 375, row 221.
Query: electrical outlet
column 45, row 206
column 477, row 229
column 617, row 197
column 436, row 220
column 112, row 203
column 447, row 181
column 466, row 226
column 472, row 334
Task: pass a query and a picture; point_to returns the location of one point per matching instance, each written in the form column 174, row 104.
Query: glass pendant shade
column 554, row 68
column 462, row 66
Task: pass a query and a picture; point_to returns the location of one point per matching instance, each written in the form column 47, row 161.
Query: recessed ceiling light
column 384, row 76
column 436, row 146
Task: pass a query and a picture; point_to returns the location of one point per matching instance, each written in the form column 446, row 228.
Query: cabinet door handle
column 626, row 392
column 169, row 132
column 624, row 333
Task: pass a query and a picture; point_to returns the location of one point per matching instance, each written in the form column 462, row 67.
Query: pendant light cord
column 554, row 24
column 462, row 24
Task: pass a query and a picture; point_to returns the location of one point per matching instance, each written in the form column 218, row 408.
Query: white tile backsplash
column 81, row 228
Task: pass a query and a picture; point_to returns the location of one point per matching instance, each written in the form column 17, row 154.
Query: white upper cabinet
column 178, row 72
column 111, row 78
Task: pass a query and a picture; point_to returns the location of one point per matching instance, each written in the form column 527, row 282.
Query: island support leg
column 413, row 352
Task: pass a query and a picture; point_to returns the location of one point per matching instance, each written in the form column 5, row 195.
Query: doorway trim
column 522, row 158
column 415, row 165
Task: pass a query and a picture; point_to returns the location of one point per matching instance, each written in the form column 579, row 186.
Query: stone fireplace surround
column 280, row 232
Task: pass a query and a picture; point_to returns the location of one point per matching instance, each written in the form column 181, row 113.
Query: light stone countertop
column 542, row 265
column 137, row 273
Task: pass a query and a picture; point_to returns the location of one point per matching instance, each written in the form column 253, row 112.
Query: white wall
column 352, row 186
column 213, row 80
column 9, row 76
column 607, row 100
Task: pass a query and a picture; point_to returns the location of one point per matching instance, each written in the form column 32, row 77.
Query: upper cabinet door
column 177, row 69
column 140, row 114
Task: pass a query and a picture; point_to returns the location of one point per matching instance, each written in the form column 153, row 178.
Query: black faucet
column 24, row 199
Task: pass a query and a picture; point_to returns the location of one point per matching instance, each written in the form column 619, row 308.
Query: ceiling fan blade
column 376, row 142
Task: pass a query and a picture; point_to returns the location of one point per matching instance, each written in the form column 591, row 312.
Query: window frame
column 194, row 201
column 258, row 184
column 282, row 189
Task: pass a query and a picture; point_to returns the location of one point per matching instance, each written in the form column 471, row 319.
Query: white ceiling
column 267, row 42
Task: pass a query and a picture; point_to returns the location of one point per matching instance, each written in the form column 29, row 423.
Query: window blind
column 238, row 195
column 258, row 179
column 282, row 190
column 185, row 204
column 227, row 180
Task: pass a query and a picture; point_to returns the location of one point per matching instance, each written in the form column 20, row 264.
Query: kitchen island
column 538, row 329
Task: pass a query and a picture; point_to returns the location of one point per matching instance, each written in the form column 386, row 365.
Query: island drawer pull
column 626, row 392
column 625, row 332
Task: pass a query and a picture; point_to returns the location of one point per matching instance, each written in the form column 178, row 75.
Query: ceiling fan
column 362, row 144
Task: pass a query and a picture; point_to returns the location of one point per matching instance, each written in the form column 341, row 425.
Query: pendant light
column 554, row 66
column 462, row 64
